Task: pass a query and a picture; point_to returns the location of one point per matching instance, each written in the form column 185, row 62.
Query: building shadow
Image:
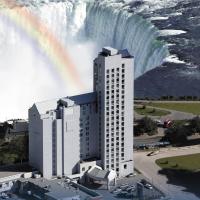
column 185, row 178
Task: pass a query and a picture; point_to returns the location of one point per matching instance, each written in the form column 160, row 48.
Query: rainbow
column 39, row 32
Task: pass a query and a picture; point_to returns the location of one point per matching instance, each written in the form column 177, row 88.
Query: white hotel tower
column 113, row 82
column 90, row 133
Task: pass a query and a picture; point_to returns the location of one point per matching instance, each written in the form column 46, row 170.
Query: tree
column 177, row 134
column 147, row 125
column 195, row 124
column 19, row 146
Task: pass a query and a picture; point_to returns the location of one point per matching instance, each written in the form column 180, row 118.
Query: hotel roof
column 45, row 106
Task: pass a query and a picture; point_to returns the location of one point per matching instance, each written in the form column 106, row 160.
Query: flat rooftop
column 61, row 189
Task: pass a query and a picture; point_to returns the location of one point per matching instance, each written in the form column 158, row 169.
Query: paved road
column 146, row 164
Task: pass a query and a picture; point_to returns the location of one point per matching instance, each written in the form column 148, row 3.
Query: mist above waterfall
column 83, row 27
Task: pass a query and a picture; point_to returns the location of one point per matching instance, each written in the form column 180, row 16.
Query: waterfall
column 84, row 27
column 110, row 24
column 105, row 22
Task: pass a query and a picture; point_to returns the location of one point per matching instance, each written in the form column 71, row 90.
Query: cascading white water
column 111, row 24
column 84, row 27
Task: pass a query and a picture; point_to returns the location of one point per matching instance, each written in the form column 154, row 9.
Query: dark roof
column 98, row 173
column 84, row 98
column 125, row 53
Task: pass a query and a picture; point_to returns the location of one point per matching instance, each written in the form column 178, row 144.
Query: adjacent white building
column 69, row 136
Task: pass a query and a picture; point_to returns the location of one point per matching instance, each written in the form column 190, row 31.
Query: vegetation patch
column 146, row 125
column 192, row 107
column 150, row 111
column 15, row 151
column 188, row 162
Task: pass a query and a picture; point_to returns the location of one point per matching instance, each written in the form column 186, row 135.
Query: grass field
column 150, row 111
column 188, row 162
column 193, row 108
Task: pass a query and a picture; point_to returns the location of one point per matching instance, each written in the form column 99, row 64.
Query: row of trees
column 171, row 98
column 177, row 134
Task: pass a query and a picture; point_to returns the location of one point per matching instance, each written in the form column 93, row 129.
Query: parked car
column 167, row 123
column 117, row 191
column 124, row 186
column 131, row 188
column 143, row 181
column 148, row 186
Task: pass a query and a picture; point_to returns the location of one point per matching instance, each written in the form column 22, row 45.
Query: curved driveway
column 174, row 115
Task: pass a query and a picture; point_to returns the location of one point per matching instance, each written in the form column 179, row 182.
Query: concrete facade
column 97, row 126
column 113, row 82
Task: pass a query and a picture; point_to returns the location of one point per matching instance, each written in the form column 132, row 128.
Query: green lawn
column 184, row 107
column 150, row 111
column 188, row 162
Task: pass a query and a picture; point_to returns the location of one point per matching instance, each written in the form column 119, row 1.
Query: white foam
column 169, row 32
column 174, row 59
column 159, row 18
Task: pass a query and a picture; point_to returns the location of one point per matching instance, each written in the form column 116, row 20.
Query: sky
column 27, row 74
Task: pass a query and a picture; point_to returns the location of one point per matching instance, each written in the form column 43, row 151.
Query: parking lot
column 126, row 188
